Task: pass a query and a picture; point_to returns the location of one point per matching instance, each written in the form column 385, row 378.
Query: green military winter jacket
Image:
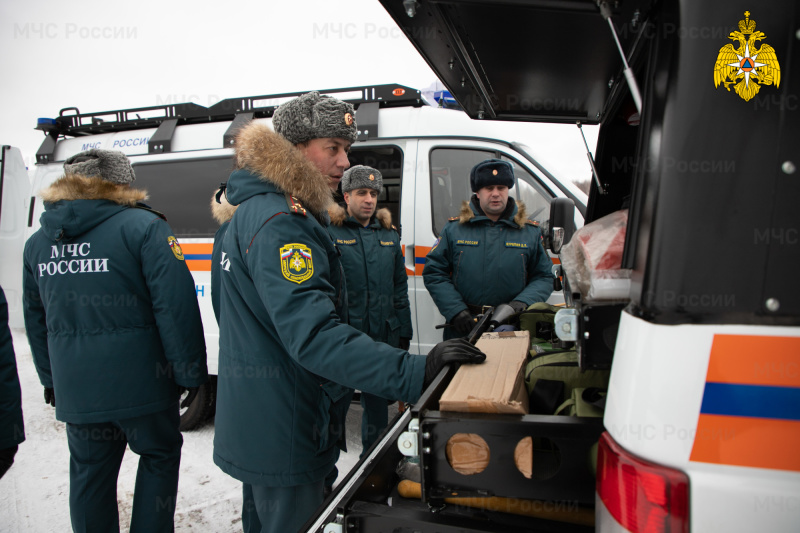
column 288, row 361
column 110, row 306
column 222, row 212
column 12, row 429
column 377, row 283
column 479, row 262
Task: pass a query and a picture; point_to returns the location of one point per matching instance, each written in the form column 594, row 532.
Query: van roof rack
column 71, row 122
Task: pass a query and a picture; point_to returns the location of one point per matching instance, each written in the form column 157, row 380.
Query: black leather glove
column 405, row 343
column 50, row 396
column 189, row 397
column 518, row 306
column 463, row 322
column 458, row 351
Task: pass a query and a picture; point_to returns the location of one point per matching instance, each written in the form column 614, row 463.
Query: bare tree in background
column 584, row 185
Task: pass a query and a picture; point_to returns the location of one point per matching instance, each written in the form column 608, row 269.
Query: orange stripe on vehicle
column 199, row 265
column 422, row 251
column 755, row 360
column 745, row 441
column 197, row 247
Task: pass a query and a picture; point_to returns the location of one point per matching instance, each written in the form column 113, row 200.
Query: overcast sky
column 101, row 56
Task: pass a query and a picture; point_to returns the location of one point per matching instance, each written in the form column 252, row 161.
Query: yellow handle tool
column 532, row 508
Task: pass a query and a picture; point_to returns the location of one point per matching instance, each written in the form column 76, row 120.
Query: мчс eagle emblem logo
column 746, row 67
column 175, row 247
column 296, row 264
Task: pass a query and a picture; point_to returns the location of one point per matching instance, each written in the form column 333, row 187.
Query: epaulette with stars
column 452, row 219
column 295, row 206
column 532, row 222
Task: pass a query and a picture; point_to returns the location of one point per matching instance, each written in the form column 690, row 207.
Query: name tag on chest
column 345, row 242
column 466, row 242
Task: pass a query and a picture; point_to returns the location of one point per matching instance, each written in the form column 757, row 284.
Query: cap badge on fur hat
column 313, row 116
column 361, row 177
column 110, row 165
column 491, row 172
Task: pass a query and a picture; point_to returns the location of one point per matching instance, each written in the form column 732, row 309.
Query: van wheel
column 197, row 412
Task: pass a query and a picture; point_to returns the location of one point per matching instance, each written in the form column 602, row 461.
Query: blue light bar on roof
column 445, row 99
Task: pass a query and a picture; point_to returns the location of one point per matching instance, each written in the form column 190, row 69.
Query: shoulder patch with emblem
column 295, row 206
column 175, row 247
column 296, row 263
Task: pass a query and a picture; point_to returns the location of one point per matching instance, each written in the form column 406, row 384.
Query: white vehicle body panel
column 654, row 404
column 13, row 215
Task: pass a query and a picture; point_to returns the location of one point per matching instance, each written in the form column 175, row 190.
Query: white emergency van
column 182, row 152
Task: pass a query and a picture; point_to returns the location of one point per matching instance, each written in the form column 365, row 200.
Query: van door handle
column 410, row 257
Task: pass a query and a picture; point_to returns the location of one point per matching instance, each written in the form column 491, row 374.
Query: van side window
column 450, row 181
column 182, row 191
column 528, row 191
column 450, row 169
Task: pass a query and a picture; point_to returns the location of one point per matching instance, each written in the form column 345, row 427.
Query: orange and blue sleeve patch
column 198, row 256
column 750, row 413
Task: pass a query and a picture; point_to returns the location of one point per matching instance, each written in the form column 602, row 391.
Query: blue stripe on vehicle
column 751, row 400
column 197, row 257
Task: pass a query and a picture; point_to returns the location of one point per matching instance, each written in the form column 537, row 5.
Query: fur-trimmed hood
column 222, row 211
column 72, row 209
column 76, row 187
column 518, row 215
column 275, row 160
column 339, row 214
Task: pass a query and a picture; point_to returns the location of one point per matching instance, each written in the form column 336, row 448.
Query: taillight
column 643, row 497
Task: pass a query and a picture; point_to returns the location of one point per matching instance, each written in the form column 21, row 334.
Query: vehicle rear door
column 14, row 192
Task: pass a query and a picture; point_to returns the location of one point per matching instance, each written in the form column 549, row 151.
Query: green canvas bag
column 551, row 377
column 589, row 401
column 538, row 320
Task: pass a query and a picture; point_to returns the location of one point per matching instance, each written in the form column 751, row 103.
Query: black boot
column 7, row 459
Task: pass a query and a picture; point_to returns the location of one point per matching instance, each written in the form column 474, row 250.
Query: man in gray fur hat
column 114, row 326
column 377, row 283
column 288, row 361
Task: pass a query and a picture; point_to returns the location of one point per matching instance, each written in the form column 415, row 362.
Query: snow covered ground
column 34, row 493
